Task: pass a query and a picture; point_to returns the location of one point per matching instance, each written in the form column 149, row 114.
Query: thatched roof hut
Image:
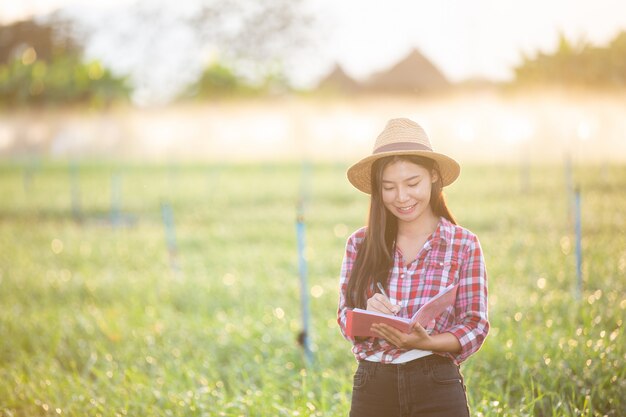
column 413, row 74
column 337, row 80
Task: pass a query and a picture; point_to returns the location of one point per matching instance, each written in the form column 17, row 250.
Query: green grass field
column 94, row 321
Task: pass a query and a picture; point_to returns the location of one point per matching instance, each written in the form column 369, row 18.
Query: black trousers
column 431, row 386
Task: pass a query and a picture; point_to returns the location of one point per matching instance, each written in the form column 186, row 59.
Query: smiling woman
column 413, row 247
column 407, row 187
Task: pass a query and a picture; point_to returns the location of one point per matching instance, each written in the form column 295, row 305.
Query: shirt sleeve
column 472, row 324
column 346, row 270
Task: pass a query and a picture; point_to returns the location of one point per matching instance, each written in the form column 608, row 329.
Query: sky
column 480, row 38
column 465, row 39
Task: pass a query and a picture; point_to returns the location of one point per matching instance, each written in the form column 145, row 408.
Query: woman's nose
column 402, row 194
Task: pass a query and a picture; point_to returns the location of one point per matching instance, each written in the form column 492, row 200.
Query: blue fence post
column 579, row 250
column 170, row 236
column 305, row 336
column 75, row 191
column 116, row 200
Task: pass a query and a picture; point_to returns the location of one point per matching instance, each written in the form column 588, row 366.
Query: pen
column 382, row 291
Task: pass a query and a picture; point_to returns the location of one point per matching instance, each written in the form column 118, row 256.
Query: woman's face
column 406, row 190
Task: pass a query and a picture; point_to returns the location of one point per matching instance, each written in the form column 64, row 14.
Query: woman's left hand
column 417, row 339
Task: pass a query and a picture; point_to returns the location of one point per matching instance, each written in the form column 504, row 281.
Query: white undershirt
column 407, row 356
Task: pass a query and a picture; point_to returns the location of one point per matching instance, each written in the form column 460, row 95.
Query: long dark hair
column 374, row 258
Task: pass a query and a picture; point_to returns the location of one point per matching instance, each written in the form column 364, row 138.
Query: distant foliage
column 64, row 79
column 582, row 64
column 219, row 80
column 41, row 64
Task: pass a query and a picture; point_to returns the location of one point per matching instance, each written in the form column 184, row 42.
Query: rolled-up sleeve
column 471, row 324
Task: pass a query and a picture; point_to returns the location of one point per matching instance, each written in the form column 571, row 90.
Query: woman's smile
column 406, row 209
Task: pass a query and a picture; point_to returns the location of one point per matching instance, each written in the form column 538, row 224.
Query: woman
column 413, row 248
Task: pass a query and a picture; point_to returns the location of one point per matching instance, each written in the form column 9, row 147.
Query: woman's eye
column 387, row 189
column 414, row 184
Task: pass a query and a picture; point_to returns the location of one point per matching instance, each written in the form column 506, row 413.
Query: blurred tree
column 64, row 79
column 41, row 65
column 259, row 32
column 582, row 65
column 166, row 47
column 617, row 59
column 45, row 39
column 218, row 81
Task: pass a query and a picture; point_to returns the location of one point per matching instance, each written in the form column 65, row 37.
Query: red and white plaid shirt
column 451, row 255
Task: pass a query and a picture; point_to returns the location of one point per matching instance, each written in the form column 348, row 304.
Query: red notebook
column 360, row 321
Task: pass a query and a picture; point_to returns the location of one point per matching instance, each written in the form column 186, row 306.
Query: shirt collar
column 444, row 232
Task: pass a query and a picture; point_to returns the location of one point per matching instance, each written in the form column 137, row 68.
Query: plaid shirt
column 451, row 255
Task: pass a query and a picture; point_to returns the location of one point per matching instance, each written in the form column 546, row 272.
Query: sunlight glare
column 228, row 279
column 317, row 291
column 517, row 129
column 57, row 246
column 340, row 230
column 279, row 313
column 541, row 283
column 465, row 131
column 585, row 129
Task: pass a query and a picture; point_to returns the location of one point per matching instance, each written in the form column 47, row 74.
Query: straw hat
column 401, row 137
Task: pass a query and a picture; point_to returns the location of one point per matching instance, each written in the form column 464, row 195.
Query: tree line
column 42, row 64
column 42, row 60
column 579, row 64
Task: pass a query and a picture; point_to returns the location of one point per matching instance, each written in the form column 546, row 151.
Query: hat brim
column 359, row 174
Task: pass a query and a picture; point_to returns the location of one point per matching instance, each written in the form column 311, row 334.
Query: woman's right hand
column 381, row 304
